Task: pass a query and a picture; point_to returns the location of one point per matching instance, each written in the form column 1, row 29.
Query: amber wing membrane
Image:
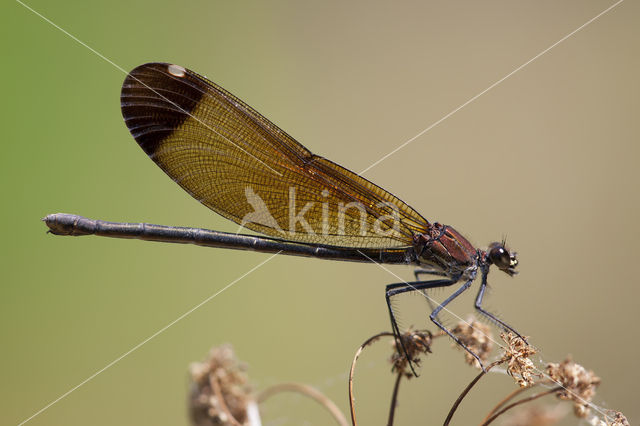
column 239, row 164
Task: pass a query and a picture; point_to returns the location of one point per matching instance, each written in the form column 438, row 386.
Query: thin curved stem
column 522, row 401
column 506, row 399
column 305, row 390
column 394, row 399
column 352, row 402
column 466, row 391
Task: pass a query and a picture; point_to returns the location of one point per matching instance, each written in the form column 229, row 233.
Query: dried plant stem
column 309, row 391
column 217, row 390
column 466, row 391
column 394, row 398
column 506, row 399
column 352, row 403
column 522, row 401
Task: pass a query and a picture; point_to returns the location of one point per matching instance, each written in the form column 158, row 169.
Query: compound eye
column 500, row 257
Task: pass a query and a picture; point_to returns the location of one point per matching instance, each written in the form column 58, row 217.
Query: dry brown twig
column 308, row 391
column 569, row 381
column 352, row 372
column 566, row 380
column 416, row 342
column 221, row 395
column 534, row 415
column 466, row 390
column 505, row 400
column 498, row 413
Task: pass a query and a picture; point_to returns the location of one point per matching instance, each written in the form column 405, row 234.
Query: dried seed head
column 220, row 376
column 517, row 356
column 533, row 415
column 618, row 420
column 415, row 342
column 579, row 385
column 475, row 336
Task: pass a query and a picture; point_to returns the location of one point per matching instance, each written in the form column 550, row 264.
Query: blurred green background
column 548, row 158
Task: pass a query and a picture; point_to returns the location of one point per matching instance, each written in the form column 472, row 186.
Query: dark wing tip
column 156, row 99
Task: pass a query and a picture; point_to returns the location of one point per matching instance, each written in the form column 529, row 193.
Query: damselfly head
column 504, row 259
